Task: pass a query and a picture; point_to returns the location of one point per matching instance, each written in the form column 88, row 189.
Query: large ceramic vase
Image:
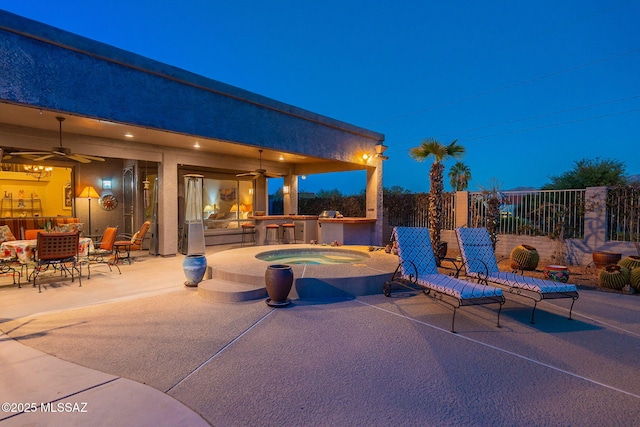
column 194, row 267
column 602, row 259
column 278, row 280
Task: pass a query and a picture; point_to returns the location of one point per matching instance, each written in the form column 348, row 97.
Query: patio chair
column 480, row 263
column 57, row 251
column 132, row 243
column 32, row 234
column 417, row 270
column 104, row 254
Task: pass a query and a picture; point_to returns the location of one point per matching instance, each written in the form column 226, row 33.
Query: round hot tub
column 314, row 256
column 318, row 271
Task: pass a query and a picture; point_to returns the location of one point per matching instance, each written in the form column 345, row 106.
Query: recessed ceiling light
column 281, row 157
column 128, row 135
column 196, row 145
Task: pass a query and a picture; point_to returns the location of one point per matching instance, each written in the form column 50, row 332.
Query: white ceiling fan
column 260, row 171
column 59, row 151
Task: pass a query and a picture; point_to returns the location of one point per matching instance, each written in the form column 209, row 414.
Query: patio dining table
column 24, row 250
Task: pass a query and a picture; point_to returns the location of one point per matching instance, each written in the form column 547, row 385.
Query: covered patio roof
column 118, row 104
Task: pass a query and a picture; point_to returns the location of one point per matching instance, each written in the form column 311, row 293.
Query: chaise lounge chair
column 480, row 263
column 417, row 270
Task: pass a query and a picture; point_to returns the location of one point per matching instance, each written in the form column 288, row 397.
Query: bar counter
column 348, row 230
column 306, row 228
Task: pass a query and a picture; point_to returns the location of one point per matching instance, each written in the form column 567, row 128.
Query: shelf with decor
column 21, row 207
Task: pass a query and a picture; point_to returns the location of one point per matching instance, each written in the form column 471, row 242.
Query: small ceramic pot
column 557, row 273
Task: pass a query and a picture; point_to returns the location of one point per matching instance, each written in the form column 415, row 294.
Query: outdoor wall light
column 285, row 189
column 106, row 183
column 380, row 149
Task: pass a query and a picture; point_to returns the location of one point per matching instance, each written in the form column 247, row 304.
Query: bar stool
column 274, row 229
column 291, row 228
column 248, row 230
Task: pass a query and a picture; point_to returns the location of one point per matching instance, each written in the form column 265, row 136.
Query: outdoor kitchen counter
column 283, row 217
column 306, row 228
column 347, row 231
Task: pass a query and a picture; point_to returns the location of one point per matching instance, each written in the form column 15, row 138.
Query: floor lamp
column 89, row 193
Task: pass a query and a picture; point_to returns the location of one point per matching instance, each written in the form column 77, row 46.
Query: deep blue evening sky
column 527, row 87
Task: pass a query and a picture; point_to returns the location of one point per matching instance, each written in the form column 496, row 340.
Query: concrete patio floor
column 141, row 349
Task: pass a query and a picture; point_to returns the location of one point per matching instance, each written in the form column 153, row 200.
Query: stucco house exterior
column 148, row 119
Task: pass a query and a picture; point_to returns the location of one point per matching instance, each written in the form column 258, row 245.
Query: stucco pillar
column 374, row 199
column 462, row 209
column 291, row 199
column 168, row 205
column 595, row 220
column 260, row 196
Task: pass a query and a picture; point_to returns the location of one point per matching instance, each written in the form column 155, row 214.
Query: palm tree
column 431, row 147
column 459, row 176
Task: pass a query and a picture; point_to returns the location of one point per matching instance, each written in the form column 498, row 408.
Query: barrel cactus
column 630, row 262
column 524, row 257
column 613, row 277
column 635, row 278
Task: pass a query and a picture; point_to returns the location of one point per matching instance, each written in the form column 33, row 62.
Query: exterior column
column 595, row 221
column 260, row 196
column 374, row 200
column 168, row 205
column 462, row 209
column 291, row 199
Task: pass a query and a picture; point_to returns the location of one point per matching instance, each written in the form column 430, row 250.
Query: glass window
column 226, row 202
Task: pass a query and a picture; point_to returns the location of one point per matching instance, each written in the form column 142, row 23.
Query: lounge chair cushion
column 460, row 289
column 480, row 263
column 529, row 283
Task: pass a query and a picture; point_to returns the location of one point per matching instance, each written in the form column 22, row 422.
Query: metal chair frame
column 274, row 228
column 480, row 263
column 291, row 228
column 58, row 251
column 104, row 252
column 248, row 230
column 133, row 243
column 417, row 270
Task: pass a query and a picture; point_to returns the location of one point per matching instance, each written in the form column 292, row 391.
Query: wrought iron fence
column 553, row 213
column 623, row 214
column 412, row 210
